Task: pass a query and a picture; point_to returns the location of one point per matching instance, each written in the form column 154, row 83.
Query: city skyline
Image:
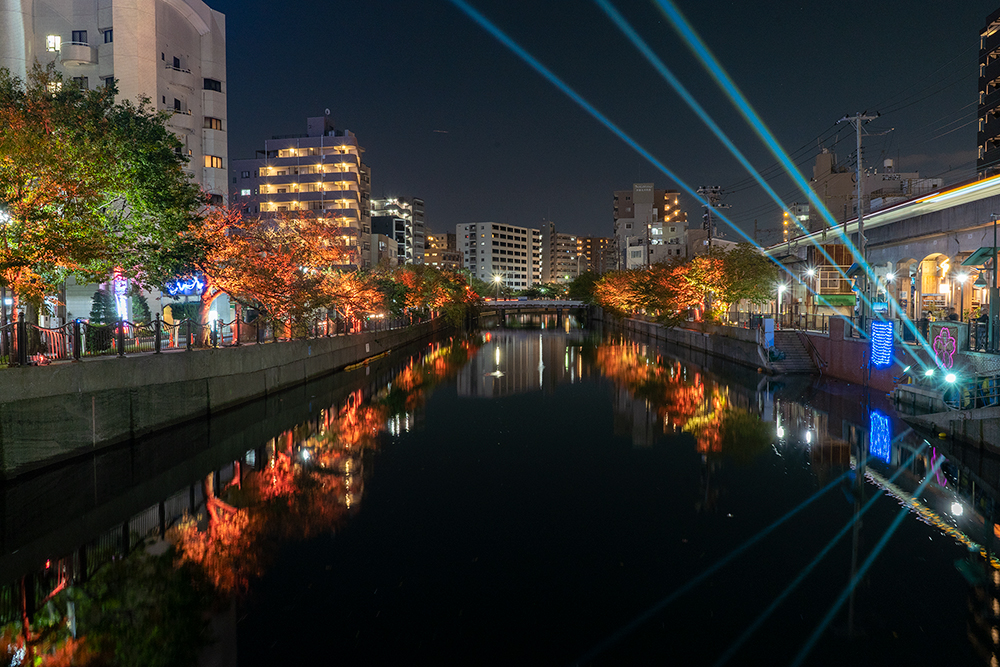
column 448, row 113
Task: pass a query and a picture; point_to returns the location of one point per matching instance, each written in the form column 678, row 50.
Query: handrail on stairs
column 813, row 352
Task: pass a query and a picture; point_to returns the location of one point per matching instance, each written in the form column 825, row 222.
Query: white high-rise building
column 170, row 51
column 506, row 253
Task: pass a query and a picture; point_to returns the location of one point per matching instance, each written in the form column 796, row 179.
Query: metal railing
column 24, row 344
column 795, row 321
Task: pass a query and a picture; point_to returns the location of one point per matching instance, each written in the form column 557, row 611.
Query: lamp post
column 498, row 280
column 961, row 278
column 811, row 288
column 781, row 290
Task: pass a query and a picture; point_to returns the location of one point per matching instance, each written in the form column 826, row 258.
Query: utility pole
column 857, row 120
column 712, row 194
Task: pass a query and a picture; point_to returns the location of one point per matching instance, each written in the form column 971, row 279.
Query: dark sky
column 447, row 113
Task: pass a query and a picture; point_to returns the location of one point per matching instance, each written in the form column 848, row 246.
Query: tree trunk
column 208, row 297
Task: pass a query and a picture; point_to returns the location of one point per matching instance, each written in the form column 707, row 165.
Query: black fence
column 24, row 344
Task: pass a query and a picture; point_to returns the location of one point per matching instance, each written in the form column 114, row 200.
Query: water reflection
column 721, row 449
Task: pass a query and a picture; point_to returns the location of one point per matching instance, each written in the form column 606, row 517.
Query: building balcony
column 181, row 119
column 990, row 129
column 77, row 53
column 991, row 42
column 179, row 77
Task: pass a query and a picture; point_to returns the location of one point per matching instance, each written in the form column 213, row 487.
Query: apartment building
column 560, row 260
column 171, row 51
column 596, row 253
column 320, row 171
column 442, row 251
column 650, row 226
column 503, row 253
column 403, row 220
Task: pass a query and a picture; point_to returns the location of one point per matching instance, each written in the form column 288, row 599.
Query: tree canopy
column 87, row 185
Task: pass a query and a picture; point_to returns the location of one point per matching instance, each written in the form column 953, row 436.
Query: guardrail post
column 21, row 342
column 120, row 335
column 187, row 335
column 157, row 334
column 236, row 331
column 77, row 343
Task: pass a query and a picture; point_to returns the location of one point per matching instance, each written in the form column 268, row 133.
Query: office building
column 171, row 51
column 320, row 172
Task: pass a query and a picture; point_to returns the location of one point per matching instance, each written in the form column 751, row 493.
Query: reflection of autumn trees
column 693, row 404
column 311, row 476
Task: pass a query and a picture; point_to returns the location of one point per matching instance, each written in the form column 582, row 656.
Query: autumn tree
column 87, row 185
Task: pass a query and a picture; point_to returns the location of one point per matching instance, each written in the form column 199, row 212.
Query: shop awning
column 980, row 256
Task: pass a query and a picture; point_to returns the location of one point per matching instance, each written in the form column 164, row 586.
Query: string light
column 881, row 351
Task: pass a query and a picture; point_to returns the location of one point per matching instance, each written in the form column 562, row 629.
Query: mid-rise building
column 501, row 253
column 385, row 251
column 988, row 160
column 321, row 172
column 650, row 226
column 560, row 261
column 402, row 219
column 597, row 254
column 170, row 51
column 835, row 185
column 442, row 251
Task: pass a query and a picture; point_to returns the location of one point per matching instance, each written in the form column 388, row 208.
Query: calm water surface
column 541, row 496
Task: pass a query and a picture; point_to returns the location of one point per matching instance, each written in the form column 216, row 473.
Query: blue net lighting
column 879, row 440
column 881, row 341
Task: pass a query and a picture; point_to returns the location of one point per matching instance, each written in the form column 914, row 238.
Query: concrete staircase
column 797, row 360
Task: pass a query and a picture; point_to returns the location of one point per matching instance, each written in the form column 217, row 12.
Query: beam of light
column 821, row 628
column 683, row 92
column 731, row 651
column 504, row 39
column 743, row 106
column 662, row 604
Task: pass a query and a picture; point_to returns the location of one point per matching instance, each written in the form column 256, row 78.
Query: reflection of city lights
column 809, row 436
column 496, row 355
column 957, row 509
column 781, row 432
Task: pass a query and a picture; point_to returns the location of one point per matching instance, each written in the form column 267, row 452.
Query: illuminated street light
column 950, row 378
column 498, row 280
column 889, row 277
column 929, row 372
column 810, row 272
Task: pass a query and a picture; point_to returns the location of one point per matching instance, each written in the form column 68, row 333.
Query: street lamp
column 498, row 280
column 781, row 290
column 961, row 278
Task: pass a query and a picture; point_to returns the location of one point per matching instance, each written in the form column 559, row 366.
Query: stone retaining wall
column 50, row 413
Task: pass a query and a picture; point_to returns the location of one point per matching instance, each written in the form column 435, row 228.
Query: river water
column 548, row 495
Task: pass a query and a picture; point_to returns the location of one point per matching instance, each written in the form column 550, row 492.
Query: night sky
column 447, row 113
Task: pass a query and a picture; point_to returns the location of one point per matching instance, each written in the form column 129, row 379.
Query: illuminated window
column 245, row 192
column 213, row 161
column 53, row 43
column 213, row 123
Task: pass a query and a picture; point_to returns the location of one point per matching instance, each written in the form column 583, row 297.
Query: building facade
column 499, row 253
column 560, row 261
column 171, row 51
column 988, row 160
column 597, row 254
column 321, row 172
column 442, row 251
column 650, row 226
column 403, row 219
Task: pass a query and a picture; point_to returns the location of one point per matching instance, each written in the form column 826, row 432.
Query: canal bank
column 51, row 413
column 832, row 354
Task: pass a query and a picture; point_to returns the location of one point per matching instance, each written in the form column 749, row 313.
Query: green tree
column 102, row 308
column 582, row 287
column 87, row 185
column 140, row 307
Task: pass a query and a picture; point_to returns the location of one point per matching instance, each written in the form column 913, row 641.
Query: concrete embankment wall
column 51, row 413
column 738, row 345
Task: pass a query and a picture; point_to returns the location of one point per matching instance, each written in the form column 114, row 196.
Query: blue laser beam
column 828, row 618
column 662, row 604
column 731, row 651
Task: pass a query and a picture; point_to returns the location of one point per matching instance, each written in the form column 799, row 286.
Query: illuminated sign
column 879, row 440
column 187, row 286
column 945, row 346
column 881, row 342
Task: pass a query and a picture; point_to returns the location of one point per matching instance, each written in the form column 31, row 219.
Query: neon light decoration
column 879, row 440
column 120, row 285
column 187, row 286
column 881, row 351
column 945, row 346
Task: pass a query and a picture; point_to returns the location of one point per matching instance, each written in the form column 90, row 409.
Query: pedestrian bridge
column 546, row 305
